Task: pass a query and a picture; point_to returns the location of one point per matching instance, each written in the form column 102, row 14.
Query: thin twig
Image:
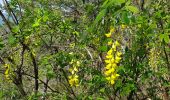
column 91, row 56
column 41, row 82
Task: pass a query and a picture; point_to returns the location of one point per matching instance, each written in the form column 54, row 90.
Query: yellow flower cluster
column 73, row 78
column 154, row 58
column 110, row 33
column 113, row 57
column 7, row 67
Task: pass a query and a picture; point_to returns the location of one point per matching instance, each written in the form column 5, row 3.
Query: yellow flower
column 112, row 60
column 73, row 80
column 114, row 65
column 114, row 76
column 6, row 65
column 114, row 47
column 110, row 43
column 107, row 61
column 117, row 43
column 72, row 61
column 108, row 72
column 112, row 82
column 73, row 70
column 110, row 52
column 108, row 34
column 117, row 75
column 72, row 45
column 6, row 71
column 118, row 53
column 112, row 30
column 123, row 26
column 109, row 56
column 7, row 77
column 108, row 66
column 112, row 70
column 78, row 63
column 117, row 59
column 71, row 53
column 108, row 78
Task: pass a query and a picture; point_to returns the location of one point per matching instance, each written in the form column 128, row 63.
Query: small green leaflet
column 132, row 9
column 103, row 48
column 108, row 3
column 100, row 15
column 11, row 39
column 1, row 43
column 164, row 37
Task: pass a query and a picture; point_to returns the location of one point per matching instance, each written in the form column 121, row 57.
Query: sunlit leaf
column 132, row 9
column 103, row 48
column 11, row 39
column 166, row 38
column 100, row 15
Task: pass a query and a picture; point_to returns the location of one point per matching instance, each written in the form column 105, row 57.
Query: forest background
column 85, row 50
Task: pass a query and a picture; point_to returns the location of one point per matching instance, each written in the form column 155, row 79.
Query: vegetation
column 85, row 50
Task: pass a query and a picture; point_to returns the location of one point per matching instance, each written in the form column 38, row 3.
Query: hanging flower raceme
column 154, row 58
column 7, row 72
column 73, row 78
column 112, row 60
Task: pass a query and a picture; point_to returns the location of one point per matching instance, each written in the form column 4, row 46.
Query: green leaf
column 105, row 4
column 36, row 24
column 166, row 38
column 119, row 1
column 161, row 37
column 102, row 90
column 125, row 18
column 118, row 84
column 100, row 15
column 45, row 18
column 127, row 89
column 1, row 43
column 15, row 29
column 108, row 3
column 50, row 74
column 11, row 40
column 99, row 98
column 132, row 9
column 103, row 48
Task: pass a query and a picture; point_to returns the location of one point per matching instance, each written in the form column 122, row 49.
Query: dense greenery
column 85, row 50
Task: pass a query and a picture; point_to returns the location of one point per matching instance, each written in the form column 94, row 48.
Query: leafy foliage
column 46, row 41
